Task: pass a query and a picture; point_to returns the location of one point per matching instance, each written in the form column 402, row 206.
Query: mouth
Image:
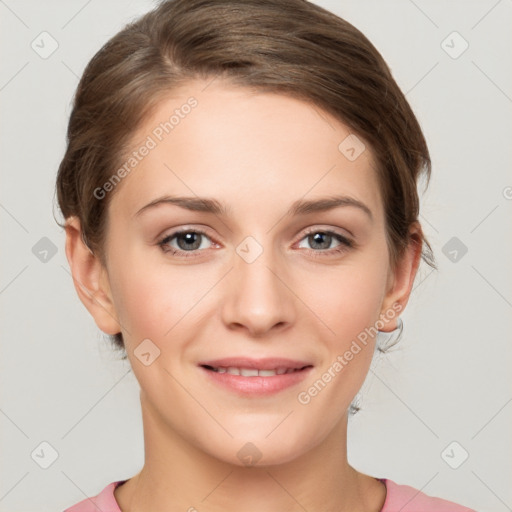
column 256, row 376
column 253, row 372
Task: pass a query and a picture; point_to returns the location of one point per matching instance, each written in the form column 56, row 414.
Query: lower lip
column 257, row 385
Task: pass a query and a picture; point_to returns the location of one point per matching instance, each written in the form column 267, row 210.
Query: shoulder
column 104, row 501
column 404, row 498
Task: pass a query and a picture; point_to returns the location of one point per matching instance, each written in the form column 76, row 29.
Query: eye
column 322, row 241
column 185, row 241
column 188, row 242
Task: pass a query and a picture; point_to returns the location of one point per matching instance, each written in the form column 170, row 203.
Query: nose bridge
column 257, row 298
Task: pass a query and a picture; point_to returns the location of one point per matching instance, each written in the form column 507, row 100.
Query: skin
column 257, row 153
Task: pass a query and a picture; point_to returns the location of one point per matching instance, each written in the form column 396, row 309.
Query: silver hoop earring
column 387, row 340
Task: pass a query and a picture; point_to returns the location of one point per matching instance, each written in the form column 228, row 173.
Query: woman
column 241, row 214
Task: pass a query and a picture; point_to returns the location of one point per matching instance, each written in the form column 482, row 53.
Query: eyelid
column 345, row 244
column 185, row 229
column 328, row 230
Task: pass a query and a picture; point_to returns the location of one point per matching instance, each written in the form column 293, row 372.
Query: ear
column 90, row 279
column 401, row 278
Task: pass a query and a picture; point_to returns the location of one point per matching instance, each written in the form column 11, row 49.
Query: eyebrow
column 300, row 207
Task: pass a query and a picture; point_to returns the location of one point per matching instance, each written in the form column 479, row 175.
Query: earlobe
column 90, row 279
column 402, row 279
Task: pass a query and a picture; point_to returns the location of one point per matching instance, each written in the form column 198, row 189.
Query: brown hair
column 291, row 47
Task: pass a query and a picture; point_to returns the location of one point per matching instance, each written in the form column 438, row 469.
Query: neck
column 179, row 476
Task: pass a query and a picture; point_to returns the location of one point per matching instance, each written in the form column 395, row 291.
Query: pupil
column 190, row 239
column 321, row 239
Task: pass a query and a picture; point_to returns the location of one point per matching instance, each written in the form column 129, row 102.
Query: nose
column 258, row 298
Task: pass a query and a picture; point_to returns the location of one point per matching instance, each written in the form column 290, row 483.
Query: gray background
column 448, row 380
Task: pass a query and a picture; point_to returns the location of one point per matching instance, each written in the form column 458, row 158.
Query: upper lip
column 268, row 363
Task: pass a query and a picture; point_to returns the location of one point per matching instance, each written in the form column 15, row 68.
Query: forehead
column 236, row 144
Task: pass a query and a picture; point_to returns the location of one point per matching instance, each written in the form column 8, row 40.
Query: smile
column 255, row 376
column 253, row 372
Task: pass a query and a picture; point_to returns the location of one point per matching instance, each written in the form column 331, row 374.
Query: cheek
column 152, row 303
column 349, row 304
column 151, row 299
column 348, row 299
column 164, row 303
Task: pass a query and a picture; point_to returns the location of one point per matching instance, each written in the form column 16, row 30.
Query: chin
column 261, row 450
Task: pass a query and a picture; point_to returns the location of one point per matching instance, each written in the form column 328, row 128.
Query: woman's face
column 281, row 265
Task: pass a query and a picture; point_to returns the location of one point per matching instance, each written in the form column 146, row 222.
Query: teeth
column 249, row 372
column 253, row 372
column 266, row 373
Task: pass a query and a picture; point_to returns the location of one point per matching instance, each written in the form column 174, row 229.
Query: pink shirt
column 399, row 498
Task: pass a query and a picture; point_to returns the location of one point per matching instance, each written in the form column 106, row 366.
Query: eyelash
column 345, row 243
